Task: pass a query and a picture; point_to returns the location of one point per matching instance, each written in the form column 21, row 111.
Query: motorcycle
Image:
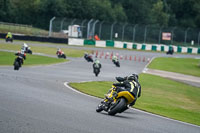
column 9, row 39
column 28, row 50
column 117, row 64
column 21, row 55
column 170, row 52
column 18, row 62
column 114, row 102
column 88, row 58
column 61, row 55
column 96, row 71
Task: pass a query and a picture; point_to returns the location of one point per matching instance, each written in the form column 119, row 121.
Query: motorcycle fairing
column 127, row 95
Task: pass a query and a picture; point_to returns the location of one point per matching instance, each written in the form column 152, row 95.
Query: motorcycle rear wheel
column 116, row 107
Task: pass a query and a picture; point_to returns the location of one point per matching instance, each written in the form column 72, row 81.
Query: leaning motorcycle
column 116, row 63
column 114, row 102
column 28, row 50
column 18, row 62
column 61, row 55
column 88, row 58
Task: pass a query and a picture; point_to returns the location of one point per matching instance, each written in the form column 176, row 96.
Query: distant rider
column 24, row 47
column 22, row 56
column 97, row 64
column 59, row 51
column 131, row 84
column 114, row 58
column 85, row 55
column 9, row 35
column 88, row 57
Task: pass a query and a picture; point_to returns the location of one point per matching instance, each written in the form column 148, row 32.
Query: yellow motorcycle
column 115, row 102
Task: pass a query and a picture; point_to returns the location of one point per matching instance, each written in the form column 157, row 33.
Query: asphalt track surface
column 37, row 100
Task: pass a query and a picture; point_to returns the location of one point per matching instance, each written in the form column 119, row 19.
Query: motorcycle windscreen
column 130, row 98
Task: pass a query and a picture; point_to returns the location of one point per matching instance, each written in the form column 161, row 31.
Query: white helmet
column 22, row 51
column 25, row 45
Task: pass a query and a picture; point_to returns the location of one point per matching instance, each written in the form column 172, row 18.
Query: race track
column 35, row 100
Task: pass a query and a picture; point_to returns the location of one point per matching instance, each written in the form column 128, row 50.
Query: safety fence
column 136, row 46
column 136, row 33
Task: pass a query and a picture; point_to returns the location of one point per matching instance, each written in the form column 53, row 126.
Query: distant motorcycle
column 170, row 51
column 61, row 54
column 28, row 50
column 88, row 58
column 18, row 62
column 96, row 71
column 9, row 39
column 96, row 68
column 116, row 63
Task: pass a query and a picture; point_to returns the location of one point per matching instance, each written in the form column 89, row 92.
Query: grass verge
column 187, row 66
column 165, row 97
column 7, row 58
column 46, row 50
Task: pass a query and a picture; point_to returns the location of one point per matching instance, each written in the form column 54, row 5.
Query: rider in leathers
column 130, row 84
column 97, row 65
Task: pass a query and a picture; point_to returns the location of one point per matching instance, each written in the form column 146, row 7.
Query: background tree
column 158, row 16
column 184, row 13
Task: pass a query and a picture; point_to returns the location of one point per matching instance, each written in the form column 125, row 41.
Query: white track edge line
column 66, row 85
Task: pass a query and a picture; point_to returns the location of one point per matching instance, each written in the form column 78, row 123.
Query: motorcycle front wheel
column 30, row 51
column 99, row 108
column 64, row 56
column 16, row 65
column 116, row 107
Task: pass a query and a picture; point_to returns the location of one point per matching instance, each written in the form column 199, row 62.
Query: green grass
column 7, row 58
column 187, row 66
column 164, row 97
column 46, row 50
column 28, row 30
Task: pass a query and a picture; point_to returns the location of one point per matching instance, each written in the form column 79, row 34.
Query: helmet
column 133, row 77
column 97, row 61
column 25, row 45
column 22, row 51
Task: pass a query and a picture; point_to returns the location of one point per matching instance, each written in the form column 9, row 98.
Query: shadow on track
column 117, row 116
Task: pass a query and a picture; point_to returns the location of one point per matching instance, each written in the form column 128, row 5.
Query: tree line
column 168, row 13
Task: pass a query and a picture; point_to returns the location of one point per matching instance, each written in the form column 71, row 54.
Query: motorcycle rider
column 88, row 57
column 9, row 35
column 59, row 51
column 170, row 51
column 96, row 65
column 22, row 56
column 114, row 58
column 24, row 47
column 131, row 84
column 85, row 55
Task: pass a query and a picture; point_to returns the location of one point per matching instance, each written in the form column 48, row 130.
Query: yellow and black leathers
column 129, row 85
